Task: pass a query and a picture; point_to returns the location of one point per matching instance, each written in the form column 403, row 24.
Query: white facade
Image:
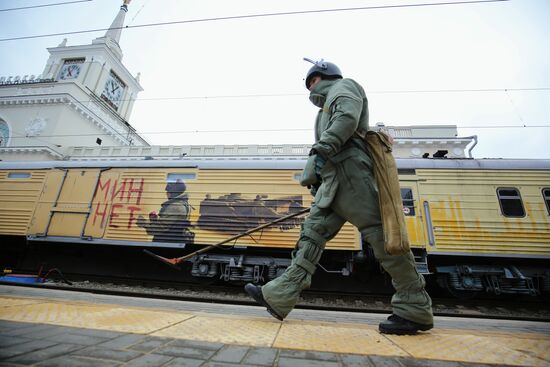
column 84, row 97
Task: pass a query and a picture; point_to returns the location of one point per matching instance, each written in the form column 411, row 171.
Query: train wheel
column 449, row 284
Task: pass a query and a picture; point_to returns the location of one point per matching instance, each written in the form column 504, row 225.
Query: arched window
column 4, row 133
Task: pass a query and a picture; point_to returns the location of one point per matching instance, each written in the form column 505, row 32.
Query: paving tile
column 294, row 362
column 380, row 361
column 123, row 342
column 18, row 349
column 150, row 344
column 196, row 344
column 28, row 329
column 6, row 341
column 76, row 361
column 148, row 360
column 225, row 364
column 106, row 334
column 7, row 324
column 304, row 354
column 45, row 354
column 40, row 330
column 261, row 356
column 187, row 352
column 352, row 360
column 109, row 354
column 230, row 354
column 227, row 330
column 11, row 302
column 535, row 347
column 335, row 338
column 411, row 362
column 470, row 348
column 71, row 338
column 96, row 316
column 184, row 362
column 48, row 333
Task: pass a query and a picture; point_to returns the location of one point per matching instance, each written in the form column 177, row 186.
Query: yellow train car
column 475, row 225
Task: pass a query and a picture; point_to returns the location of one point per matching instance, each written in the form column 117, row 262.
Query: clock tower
column 84, row 97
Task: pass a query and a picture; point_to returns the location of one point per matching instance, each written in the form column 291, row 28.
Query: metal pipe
column 174, row 262
column 474, row 138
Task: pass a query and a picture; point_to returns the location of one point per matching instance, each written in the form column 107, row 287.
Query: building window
column 510, row 202
column 4, row 133
column 546, row 197
column 408, row 201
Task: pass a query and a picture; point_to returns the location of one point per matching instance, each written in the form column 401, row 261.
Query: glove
column 319, row 164
column 313, row 189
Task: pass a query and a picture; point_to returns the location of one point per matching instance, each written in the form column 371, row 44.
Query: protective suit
column 347, row 192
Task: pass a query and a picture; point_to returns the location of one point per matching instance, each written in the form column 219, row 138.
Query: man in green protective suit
column 346, row 191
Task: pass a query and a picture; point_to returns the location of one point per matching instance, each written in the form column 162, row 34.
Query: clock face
column 70, row 69
column 112, row 93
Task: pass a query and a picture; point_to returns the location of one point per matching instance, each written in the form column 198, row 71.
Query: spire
column 112, row 36
column 116, row 27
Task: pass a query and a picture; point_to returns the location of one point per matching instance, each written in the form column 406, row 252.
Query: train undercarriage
column 459, row 276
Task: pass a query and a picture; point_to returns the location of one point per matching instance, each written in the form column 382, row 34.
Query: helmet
column 322, row 67
column 177, row 187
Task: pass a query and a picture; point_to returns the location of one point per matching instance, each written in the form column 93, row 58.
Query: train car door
column 65, row 203
column 413, row 213
column 102, row 205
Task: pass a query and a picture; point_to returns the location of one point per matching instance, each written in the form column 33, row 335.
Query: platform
column 55, row 328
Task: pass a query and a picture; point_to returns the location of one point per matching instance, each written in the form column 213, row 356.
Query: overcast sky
column 421, row 65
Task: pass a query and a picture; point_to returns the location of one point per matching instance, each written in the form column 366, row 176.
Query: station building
column 79, row 108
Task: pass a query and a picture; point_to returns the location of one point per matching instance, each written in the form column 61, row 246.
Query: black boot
column 255, row 292
column 400, row 326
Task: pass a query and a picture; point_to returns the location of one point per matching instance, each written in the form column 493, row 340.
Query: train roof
column 280, row 163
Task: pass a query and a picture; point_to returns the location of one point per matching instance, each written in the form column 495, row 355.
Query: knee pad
column 310, row 248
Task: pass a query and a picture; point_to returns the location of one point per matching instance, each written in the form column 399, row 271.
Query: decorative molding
column 36, row 126
column 34, row 90
column 26, row 79
column 34, row 150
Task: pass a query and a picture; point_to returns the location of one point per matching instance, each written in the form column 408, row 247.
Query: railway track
column 529, row 309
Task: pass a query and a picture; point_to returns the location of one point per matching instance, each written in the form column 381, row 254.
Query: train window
column 408, row 201
column 298, row 176
column 19, row 175
column 173, row 177
column 510, row 202
column 546, row 197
